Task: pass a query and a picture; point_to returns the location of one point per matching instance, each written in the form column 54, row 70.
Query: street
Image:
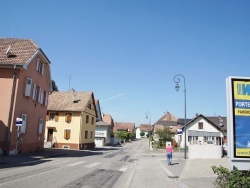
column 100, row 169
column 131, row 165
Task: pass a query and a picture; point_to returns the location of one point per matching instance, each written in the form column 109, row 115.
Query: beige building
column 71, row 120
column 25, row 85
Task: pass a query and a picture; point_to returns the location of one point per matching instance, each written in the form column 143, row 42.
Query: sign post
column 238, row 118
column 179, row 132
column 19, row 122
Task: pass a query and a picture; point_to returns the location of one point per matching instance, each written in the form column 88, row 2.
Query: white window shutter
column 40, row 128
column 42, row 69
column 46, row 99
column 39, row 96
column 28, row 87
column 34, row 92
column 42, row 98
column 23, row 127
column 37, row 64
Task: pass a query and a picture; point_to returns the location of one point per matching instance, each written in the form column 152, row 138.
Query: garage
column 99, row 142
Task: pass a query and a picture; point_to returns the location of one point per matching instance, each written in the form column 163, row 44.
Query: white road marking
column 123, row 168
column 92, row 165
column 77, row 163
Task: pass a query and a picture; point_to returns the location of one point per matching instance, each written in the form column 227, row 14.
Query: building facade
column 25, row 85
column 71, row 120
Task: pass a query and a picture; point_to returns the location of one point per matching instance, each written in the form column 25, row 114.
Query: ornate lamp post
column 148, row 116
column 177, row 87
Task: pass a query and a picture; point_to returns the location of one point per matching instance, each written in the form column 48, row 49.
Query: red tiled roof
column 63, row 101
column 168, row 117
column 123, row 126
column 144, row 127
column 21, row 50
column 161, row 127
column 107, row 119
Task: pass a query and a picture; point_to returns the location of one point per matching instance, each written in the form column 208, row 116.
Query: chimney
column 196, row 114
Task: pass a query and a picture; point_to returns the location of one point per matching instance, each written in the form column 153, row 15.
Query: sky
column 127, row 52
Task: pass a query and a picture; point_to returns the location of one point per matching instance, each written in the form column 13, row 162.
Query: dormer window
column 39, row 66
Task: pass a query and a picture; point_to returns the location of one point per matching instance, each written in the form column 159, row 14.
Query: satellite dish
column 8, row 51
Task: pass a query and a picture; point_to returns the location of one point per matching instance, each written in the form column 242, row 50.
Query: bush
column 231, row 179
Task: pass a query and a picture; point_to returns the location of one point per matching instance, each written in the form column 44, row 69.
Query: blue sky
column 128, row 51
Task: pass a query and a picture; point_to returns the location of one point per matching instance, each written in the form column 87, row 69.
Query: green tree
column 142, row 134
column 164, row 135
column 122, row 135
column 54, row 86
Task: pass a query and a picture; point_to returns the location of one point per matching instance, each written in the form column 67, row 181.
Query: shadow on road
column 35, row 158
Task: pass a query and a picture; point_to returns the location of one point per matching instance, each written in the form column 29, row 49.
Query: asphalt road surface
column 111, row 167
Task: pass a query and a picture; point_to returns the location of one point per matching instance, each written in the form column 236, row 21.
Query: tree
column 122, row 135
column 164, row 135
column 142, row 134
column 54, row 87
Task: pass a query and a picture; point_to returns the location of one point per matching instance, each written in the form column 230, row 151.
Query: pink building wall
column 30, row 140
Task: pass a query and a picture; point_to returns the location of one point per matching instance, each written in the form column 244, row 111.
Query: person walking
column 169, row 152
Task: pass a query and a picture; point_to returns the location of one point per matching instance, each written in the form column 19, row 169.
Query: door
column 50, row 135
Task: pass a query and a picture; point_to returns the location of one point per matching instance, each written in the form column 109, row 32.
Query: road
column 113, row 167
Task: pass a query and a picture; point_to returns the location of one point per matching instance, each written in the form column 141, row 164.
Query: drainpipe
column 10, row 111
column 80, row 132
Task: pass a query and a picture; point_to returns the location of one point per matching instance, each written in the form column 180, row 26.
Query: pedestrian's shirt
column 169, row 149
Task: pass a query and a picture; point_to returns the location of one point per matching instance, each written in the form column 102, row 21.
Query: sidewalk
column 193, row 173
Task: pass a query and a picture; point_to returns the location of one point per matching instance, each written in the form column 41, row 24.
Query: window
column 66, row 134
column 23, row 127
column 39, row 66
column 68, row 117
column 200, row 125
column 34, row 92
column 40, row 126
column 52, row 116
column 91, row 134
column 87, row 118
column 86, row 134
column 28, row 87
column 43, row 97
column 92, row 120
column 40, row 99
column 89, row 105
column 37, row 93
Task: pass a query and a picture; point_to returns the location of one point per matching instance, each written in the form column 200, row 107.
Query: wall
column 61, row 125
column 6, row 76
column 204, row 151
column 207, row 127
column 30, row 140
column 88, row 126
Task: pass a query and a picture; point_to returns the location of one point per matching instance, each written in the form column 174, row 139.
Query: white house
column 205, row 130
column 142, row 128
column 104, row 131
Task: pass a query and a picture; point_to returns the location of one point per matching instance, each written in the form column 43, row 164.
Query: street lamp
column 177, row 87
column 148, row 116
